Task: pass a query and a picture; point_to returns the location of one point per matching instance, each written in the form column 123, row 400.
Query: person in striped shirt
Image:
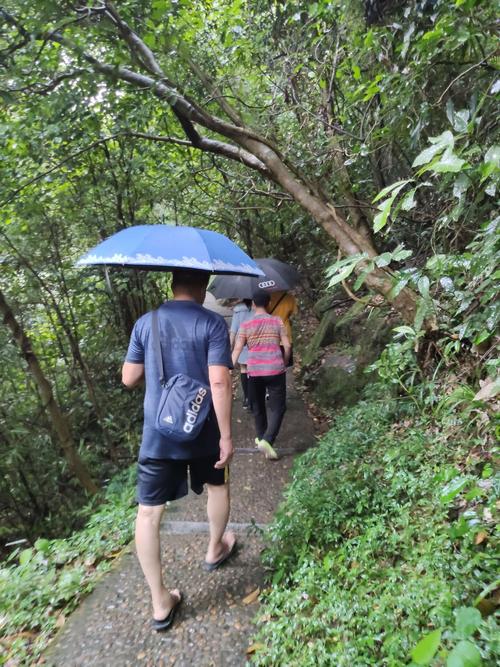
column 268, row 355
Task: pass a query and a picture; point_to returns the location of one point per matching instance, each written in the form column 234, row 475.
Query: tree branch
column 38, row 177
column 137, row 47
column 204, row 144
column 211, row 146
column 216, row 93
column 469, row 69
column 49, row 87
column 25, row 37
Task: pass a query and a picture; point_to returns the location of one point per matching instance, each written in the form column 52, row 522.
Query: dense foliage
column 41, row 585
column 381, row 121
column 386, row 536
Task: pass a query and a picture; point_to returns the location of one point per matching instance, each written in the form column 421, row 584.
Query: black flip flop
column 164, row 624
column 210, row 567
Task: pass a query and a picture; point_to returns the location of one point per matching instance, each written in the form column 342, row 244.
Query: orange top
column 283, row 305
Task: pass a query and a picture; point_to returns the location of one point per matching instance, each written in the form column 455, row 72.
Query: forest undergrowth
column 384, row 551
column 41, row 585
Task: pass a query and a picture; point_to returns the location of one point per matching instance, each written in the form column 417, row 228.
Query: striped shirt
column 262, row 335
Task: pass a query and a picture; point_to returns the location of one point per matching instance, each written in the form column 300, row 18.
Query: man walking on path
column 266, row 368
column 194, row 341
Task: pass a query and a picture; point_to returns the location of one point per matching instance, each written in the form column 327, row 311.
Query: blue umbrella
column 163, row 247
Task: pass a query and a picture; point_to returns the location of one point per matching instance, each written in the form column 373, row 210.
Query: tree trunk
column 53, row 409
column 350, row 241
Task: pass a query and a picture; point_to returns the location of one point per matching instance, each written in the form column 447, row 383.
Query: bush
column 385, row 536
column 40, row 586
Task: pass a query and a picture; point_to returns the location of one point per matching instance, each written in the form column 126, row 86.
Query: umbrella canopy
column 164, row 248
column 278, row 277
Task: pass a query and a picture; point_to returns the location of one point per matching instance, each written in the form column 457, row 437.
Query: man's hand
column 226, row 453
column 238, row 348
column 222, row 398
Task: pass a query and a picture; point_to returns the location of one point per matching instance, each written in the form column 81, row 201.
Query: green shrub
column 41, row 585
column 385, row 535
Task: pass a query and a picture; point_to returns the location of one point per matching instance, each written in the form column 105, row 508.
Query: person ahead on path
column 266, row 367
column 194, row 341
column 241, row 313
column 284, row 305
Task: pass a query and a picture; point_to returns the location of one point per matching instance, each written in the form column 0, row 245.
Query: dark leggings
column 267, row 422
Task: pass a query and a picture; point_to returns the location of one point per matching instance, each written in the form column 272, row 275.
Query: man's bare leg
column 147, row 542
column 218, row 505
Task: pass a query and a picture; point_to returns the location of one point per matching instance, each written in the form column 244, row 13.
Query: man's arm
column 132, row 374
column 222, row 399
column 287, row 348
column 240, row 344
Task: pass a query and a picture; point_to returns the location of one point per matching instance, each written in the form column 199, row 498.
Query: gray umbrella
column 279, row 277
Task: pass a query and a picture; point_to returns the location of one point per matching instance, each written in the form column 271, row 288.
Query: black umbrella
column 279, row 277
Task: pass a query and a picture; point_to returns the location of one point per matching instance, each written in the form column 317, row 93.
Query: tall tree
column 241, row 142
column 57, row 417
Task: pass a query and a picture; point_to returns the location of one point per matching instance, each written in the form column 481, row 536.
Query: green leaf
column 461, row 186
column 331, row 270
column 25, row 556
column 467, row 621
column 384, row 259
column 449, row 162
column 361, row 279
column 408, row 202
column 452, row 489
column 380, row 220
column 492, row 156
column 444, row 140
column 390, row 188
column 406, row 330
column 150, row 40
column 482, row 336
column 487, row 471
column 423, row 286
column 42, row 545
column 426, row 648
column 465, row 654
column 460, row 120
column 342, row 275
column 399, row 284
column 422, row 309
column 356, row 72
column 400, row 253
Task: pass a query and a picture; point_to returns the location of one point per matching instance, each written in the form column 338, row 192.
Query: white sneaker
column 267, row 449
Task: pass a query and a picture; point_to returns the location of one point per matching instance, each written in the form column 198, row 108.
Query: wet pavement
column 112, row 627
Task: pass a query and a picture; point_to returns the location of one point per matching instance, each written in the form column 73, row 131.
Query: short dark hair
column 189, row 279
column 261, row 299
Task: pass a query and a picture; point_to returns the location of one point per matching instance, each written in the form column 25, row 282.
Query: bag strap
column 155, row 331
column 278, row 303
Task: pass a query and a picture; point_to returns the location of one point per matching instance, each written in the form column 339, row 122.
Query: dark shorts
column 161, row 480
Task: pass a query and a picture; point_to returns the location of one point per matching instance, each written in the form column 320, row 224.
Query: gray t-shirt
column 241, row 314
column 192, row 339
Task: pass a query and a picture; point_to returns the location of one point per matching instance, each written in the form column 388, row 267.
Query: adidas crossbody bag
column 185, row 403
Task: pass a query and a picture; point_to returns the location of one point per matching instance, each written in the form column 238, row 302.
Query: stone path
column 112, row 627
